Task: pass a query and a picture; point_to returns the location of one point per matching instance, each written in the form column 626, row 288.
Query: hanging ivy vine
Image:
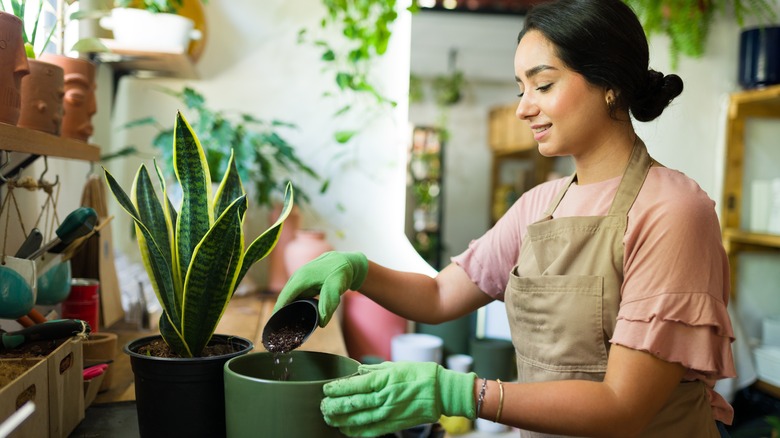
column 364, row 28
column 687, row 22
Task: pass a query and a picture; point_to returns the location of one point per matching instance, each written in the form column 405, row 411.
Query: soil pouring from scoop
column 290, row 326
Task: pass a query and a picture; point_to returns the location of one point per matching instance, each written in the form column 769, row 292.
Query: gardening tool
column 78, row 223
column 289, row 327
column 30, row 244
column 57, row 329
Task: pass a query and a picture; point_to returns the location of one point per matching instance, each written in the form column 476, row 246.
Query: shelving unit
column 425, row 194
column 760, row 103
column 16, row 139
column 517, row 164
column 165, row 64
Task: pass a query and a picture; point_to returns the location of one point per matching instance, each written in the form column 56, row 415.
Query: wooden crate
column 65, row 367
column 33, row 386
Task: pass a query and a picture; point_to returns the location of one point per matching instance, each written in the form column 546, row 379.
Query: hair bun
column 658, row 92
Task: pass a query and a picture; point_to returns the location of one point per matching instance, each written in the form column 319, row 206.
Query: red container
column 83, row 302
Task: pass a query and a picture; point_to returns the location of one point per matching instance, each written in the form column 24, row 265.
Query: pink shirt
column 676, row 275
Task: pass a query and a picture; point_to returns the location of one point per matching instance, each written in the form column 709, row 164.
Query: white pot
column 138, row 29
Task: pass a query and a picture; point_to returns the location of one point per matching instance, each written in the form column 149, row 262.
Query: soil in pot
column 32, row 349
column 158, row 348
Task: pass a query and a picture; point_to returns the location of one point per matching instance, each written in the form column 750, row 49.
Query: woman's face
column 567, row 114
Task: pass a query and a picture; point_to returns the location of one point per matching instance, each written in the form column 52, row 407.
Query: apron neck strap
column 633, row 177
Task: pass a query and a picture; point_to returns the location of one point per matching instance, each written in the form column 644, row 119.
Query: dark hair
column 603, row 41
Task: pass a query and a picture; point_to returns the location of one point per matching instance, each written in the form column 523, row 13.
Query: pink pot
column 13, row 67
column 277, row 271
column 305, row 247
column 368, row 327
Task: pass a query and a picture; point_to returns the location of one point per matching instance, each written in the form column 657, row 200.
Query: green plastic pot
column 259, row 403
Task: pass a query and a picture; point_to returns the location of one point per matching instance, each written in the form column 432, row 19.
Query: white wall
column 252, row 63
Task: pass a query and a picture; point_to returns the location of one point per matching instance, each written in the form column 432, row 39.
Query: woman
column 615, row 279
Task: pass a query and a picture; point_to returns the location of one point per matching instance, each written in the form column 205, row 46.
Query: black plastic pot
column 759, row 57
column 182, row 396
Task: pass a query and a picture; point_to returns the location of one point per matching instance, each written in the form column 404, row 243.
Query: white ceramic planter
column 137, row 29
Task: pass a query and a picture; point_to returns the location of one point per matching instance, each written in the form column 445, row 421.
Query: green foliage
column 365, row 28
column 262, row 156
column 195, row 255
column 29, row 31
column 687, row 22
column 154, row 6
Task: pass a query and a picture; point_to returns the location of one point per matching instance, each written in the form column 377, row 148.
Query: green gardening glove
column 329, row 276
column 394, row 396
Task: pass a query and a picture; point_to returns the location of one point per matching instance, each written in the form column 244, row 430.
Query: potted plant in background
column 165, row 29
column 13, row 67
column 263, row 157
column 195, row 257
column 687, row 22
column 42, row 89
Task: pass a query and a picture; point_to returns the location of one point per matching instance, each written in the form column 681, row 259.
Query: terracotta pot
column 42, row 93
column 307, row 246
column 277, row 271
column 79, row 102
column 13, row 67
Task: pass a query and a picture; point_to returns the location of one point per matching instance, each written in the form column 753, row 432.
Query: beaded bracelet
column 500, row 399
column 481, row 397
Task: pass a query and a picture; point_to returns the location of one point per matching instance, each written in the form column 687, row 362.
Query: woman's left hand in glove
column 394, row 396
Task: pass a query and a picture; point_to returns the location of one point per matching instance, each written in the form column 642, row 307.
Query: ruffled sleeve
column 676, row 278
column 691, row 329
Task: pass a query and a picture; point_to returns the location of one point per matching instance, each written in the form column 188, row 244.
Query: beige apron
column 563, row 296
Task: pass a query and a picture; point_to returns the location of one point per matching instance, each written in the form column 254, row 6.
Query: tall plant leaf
column 153, row 258
column 229, row 189
column 212, row 276
column 193, row 175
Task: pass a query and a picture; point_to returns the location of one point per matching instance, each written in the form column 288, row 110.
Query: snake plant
column 195, row 256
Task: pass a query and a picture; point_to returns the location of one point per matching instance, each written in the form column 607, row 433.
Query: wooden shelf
column 762, row 102
column 176, row 65
column 767, row 388
column 768, row 241
column 16, row 139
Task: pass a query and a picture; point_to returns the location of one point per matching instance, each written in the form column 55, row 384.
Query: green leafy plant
column 29, row 31
column 687, row 22
column 194, row 255
column 365, row 28
column 262, row 156
column 154, row 6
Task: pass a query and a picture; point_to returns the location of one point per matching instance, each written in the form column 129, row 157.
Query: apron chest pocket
column 557, row 322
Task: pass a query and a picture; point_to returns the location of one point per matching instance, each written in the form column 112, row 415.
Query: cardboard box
column 66, row 388
column 33, row 386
